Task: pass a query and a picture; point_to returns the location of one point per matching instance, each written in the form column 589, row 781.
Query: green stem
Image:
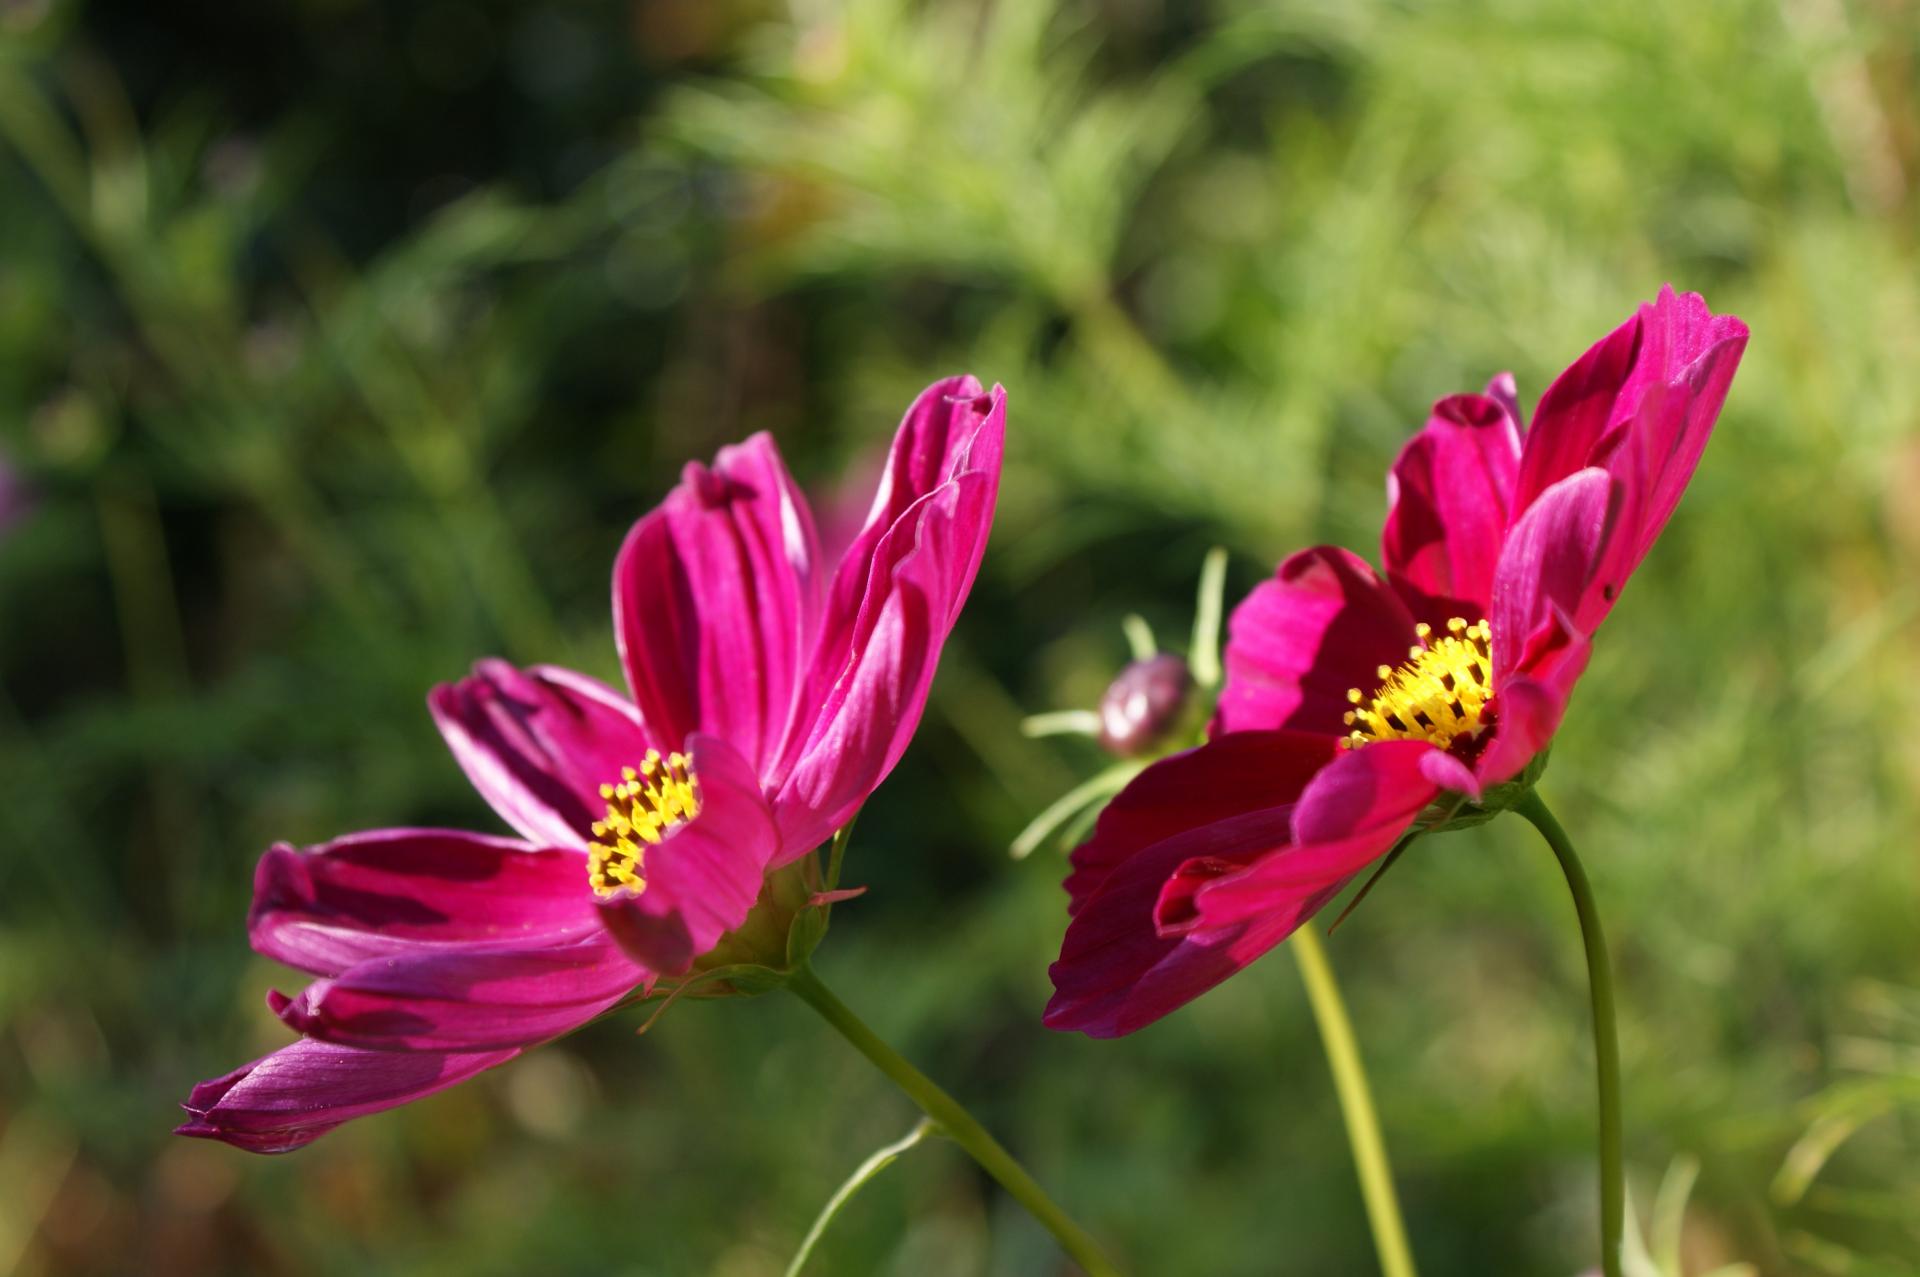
column 1606, row 1034
column 953, row 1121
column 1356, row 1104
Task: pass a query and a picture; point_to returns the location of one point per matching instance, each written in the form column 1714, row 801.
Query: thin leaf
column 1203, row 653
column 1097, row 787
column 881, row 1159
column 1061, row 722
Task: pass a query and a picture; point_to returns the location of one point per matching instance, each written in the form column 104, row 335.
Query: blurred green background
column 340, row 341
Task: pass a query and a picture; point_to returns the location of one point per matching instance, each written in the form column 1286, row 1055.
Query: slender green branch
column 1203, row 653
column 1060, row 722
column 1606, row 1034
column 1101, row 785
column 879, row 1161
column 954, row 1122
column 1356, row 1104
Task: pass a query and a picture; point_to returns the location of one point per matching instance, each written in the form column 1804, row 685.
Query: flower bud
column 1144, row 704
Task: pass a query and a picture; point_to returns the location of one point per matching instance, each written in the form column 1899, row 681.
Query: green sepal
column 804, row 936
column 749, row 980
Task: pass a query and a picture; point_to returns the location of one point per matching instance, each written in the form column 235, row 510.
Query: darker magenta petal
column 1119, row 970
column 1379, row 786
column 1655, row 455
column 1574, row 413
column 1550, row 566
column 386, row 892
column 1182, row 914
column 1349, row 816
column 289, row 1099
column 465, row 998
column 1324, row 624
column 1528, row 714
column 1448, row 495
column 1590, row 411
column 703, row 879
column 716, row 599
column 1231, row 775
column 538, row 744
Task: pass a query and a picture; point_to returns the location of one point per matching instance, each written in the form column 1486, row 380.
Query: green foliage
column 340, row 343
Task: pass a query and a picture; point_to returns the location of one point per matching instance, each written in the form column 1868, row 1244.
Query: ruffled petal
column 895, row 600
column 1179, row 916
column 702, row 881
column 1656, row 453
column 1549, row 567
column 1600, row 394
column 1503, row 391
column 1229, row 776
column 715, row 600
column 1324, row 624
column 1118, row 971
column 375, row 895
column 289, row 1099
column 464, row 999
column 538, row 744
column 1528, row 709
column 1447, row 501
column 1350, row 816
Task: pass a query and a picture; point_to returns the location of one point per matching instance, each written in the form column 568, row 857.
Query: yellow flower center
column 640, row 810
column 1435, row 695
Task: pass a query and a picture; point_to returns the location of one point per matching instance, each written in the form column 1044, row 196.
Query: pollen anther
column 641, row 808
column 1436, row 695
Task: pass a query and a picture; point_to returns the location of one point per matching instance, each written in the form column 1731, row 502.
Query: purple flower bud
column 1144, row 703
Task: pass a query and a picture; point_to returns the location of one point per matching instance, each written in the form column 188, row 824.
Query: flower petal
column 702, row 881
column 377, row 894
column 538, row 744
column 1118, row 971
column 289, row 1099
column 1660, row 448
column 1528, row 710
column 895, row 600
column 715, row 599
column 1502, row 390
column 1229, row 776
column 1181, row 915
column 1605, row 387
column 1550, row 565
column 466, row 998
column 1324, row 624
column 1349, row 816
column 1447, row 500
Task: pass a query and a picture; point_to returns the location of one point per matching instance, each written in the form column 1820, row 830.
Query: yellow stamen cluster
column 640, row 810
column 1435, row 695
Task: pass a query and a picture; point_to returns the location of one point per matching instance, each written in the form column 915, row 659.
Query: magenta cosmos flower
column 1357, row 707
column 771, row 692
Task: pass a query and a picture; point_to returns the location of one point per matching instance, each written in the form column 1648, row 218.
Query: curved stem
column 954, row 1122
column 1356, row 1104
column 1606, row 1035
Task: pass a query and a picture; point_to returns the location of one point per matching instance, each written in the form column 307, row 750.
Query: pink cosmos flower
column 771, row 692
column 1358, row 706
